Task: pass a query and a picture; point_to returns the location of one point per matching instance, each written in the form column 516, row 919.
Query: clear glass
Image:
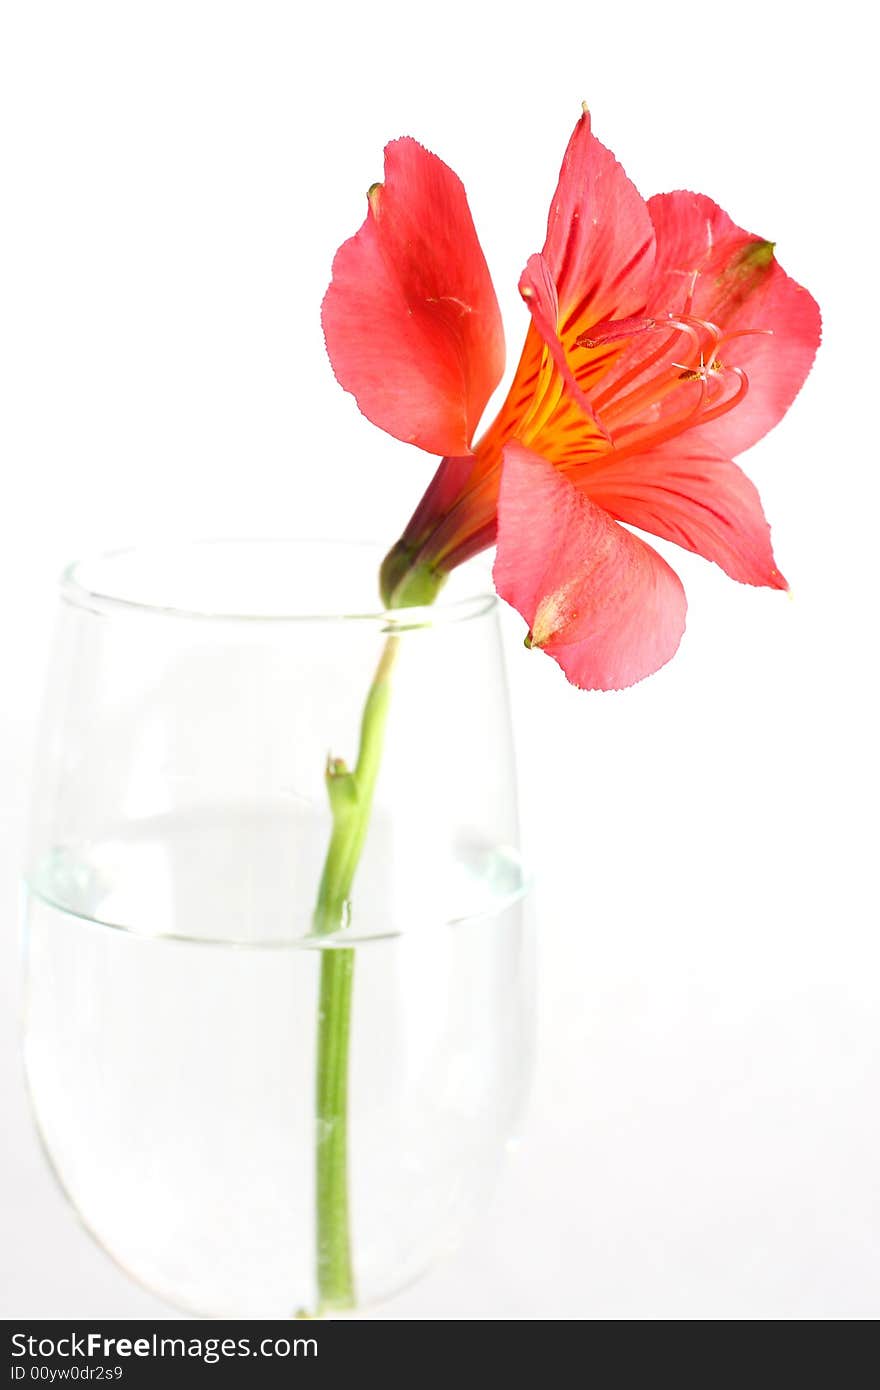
column 180, row 824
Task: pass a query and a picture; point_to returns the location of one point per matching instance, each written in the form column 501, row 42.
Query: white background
column 703, row 1139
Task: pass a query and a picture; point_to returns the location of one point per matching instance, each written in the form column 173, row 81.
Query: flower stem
column 351, row 798
column 335, row 1276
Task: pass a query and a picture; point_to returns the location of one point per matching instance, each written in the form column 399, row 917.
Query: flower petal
column 539, row 292
column 695, row 497
column 596, row 265
column 411, row 320
column 600, row 238
column 733, row 280
column 598, row 600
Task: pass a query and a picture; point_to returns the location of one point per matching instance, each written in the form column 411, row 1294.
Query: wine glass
column 174, row 1004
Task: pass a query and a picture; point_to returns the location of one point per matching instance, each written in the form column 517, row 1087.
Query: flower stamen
column 632, row 405
column 713, row 367
column 710, row 406
column 674, row 425
column 613, row 392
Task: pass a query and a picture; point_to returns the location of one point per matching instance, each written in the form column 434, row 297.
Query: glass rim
column 94, row 596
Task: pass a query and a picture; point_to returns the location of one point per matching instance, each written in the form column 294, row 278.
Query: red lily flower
column 664, row 339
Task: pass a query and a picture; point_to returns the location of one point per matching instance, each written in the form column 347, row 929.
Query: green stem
column 351, row 798
column 335, row 1277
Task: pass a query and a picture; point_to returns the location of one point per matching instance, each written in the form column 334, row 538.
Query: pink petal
column 600, row 238
column 598, row 600
column 539, row 292
column 695, row 497
column 737, row 284
column 596, row 265
column 411, row 320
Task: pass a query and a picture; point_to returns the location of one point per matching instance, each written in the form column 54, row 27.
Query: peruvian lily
column 663, row 340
